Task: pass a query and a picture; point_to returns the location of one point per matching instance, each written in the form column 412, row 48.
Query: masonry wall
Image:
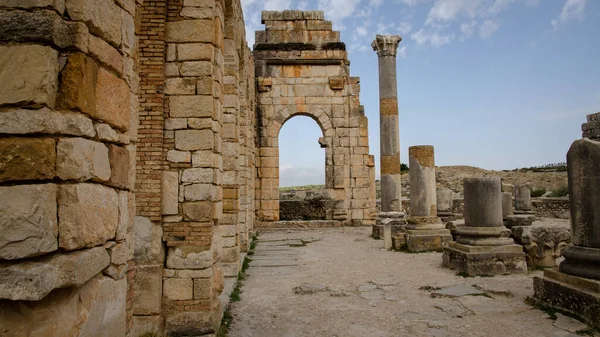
column 68, row 129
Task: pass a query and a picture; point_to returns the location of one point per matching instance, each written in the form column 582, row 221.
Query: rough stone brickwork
column 67, row 166
column 134, row 160
column 302, row 68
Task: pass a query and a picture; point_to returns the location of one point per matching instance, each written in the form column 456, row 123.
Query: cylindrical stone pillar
column 483, row 214
column 422, row 181
column 507, row 204
column 444, row 199
column 583, row 163
column 386, row 48
column 522, row 197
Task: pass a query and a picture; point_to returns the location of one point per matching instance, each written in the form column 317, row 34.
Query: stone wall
column 551, row 207
column 67, row 166
column 307, row 209
column 302, row 68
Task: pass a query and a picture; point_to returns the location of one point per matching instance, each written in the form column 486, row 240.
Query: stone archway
column 308, row 74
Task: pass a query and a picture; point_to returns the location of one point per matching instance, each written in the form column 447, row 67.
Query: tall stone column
column 483, row 245
column 391, row 198
column 575, row 286
column 425, row 231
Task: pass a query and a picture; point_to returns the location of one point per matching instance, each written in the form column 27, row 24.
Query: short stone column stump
column 483, row 246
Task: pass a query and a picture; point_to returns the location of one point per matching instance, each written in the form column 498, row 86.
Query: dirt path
column 349, row 286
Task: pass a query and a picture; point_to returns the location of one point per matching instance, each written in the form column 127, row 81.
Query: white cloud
column 376, row 3
column 467, row 29
column 361, row 31
column 433, row 38
column 487, row 29
column 302, row 5
column 338, row 10
column 285, row 167
column 411, row 2
column 402, row 52
column 277, row 5
column 572, row 10
column 447, row 10
column 246, row 4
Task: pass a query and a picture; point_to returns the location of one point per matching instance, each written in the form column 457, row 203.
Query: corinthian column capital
column 386, row 45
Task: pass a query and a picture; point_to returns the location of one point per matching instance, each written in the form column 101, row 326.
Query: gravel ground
column 339, row 282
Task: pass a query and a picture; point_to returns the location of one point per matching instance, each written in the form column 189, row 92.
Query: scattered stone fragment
column 569, row 324
column 307, row 289
column 457, row 291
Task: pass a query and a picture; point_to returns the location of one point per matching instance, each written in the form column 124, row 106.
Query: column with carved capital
column 391, row 202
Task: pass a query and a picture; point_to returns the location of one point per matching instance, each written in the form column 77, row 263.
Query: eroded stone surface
column 27, row 159
column 148, row 242
column 82, row 159
column 33, row 280
column 46, row 121
column 28, row 223
column 29, row 75
column 88, row 215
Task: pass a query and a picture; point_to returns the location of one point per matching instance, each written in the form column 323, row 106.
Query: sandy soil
column 349, row 286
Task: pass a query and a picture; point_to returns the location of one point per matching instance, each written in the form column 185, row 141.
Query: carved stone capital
column 386, row 45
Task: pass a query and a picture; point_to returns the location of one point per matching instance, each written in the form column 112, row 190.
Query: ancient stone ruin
column 139, row 154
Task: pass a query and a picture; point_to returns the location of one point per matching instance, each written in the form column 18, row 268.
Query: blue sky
column 497, row 84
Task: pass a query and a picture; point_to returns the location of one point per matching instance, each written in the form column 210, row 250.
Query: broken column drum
column 483, row 246
column 425, row 231
column 523, row 199
column 575, row 286
column 391, row 199
column 444, row 203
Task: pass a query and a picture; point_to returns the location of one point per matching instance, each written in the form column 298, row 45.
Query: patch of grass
column 538, row 192
column 586, row 332
column 550, row 311
column 560, row 192
column 225, row 324
column 482, row 295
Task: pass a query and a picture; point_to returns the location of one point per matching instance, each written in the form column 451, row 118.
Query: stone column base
column 511, row 221
column 447, row 216
column 524, row 212
column 484, row 260
column 418, row 240
column 577, row 295
column 396, row 219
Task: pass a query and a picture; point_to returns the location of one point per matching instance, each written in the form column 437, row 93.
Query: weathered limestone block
column 148, row 290
column 58, row 5
column 522, row 198
column 195, row 52
column 88, row 215
column 28, row 223
column 32, row 281
column 78, row 80
column 189, row 257
column 148, row 242
column 29, row 75
column 196, row 68
column 191, row 106
column 103, row 17
column 175, row 156
column 27, row 159
column 107, row 54
column 43, row 26
column 146, row 325
column 81, row 159
column 46, row 121
column 178, row 289
column 170, row 193
column 190, row 31
column 192, row 140
column 95, row 309
column 113, row 101
column 543, row 243
column 126, row 214
column 121, row 168
column 180, row 86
